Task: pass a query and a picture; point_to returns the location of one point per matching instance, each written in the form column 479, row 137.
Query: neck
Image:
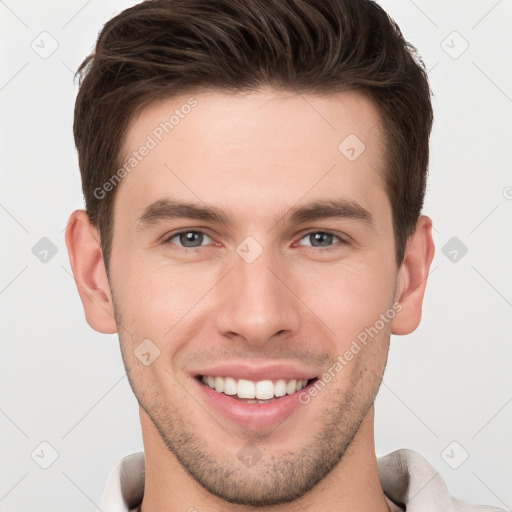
column 352, row 485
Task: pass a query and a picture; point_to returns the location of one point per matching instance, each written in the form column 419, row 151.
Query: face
column 251, row 251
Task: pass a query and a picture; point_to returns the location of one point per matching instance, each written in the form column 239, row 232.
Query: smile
column 244, row 408
column 262, row 391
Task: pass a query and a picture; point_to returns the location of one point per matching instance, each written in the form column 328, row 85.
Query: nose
column 257, row 303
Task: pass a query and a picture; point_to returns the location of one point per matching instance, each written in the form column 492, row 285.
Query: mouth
column 255, row 392
column 256, row 397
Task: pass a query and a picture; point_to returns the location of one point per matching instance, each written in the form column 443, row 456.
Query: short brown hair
column 160, row 48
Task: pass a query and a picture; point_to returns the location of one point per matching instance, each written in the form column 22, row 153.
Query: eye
column 321, row 239
column 189, row 239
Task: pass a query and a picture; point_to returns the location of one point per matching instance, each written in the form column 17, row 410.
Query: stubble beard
column 270, row 481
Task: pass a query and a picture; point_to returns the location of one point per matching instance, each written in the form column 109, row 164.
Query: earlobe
column 86, row 259
column 413, row 276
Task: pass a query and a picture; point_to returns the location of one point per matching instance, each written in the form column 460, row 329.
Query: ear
column 412, row 277
column 86, row 258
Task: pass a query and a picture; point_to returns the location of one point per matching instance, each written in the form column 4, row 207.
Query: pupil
column 323, row 239
column 191, row 239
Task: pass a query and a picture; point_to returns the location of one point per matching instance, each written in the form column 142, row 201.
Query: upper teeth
column 263, row 389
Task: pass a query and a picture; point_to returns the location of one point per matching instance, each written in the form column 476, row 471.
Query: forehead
column 264, row 148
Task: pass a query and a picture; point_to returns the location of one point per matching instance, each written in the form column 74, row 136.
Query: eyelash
column 342, row 241
column 333, row 247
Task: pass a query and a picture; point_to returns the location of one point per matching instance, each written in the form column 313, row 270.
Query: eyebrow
column 326, row 209
column 167, row 209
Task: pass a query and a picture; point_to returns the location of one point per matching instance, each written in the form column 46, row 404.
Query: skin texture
column 254, row 156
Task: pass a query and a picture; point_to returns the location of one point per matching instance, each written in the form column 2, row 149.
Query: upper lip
column 256, row 373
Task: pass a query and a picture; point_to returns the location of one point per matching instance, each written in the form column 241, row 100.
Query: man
column 254, row 173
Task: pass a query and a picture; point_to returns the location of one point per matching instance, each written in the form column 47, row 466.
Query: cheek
column 160, row 301
column 164, row 302
column 350, row 297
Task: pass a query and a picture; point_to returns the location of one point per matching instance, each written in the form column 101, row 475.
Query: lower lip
column 255, row 415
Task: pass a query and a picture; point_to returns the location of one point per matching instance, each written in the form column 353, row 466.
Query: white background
column 65, row 384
